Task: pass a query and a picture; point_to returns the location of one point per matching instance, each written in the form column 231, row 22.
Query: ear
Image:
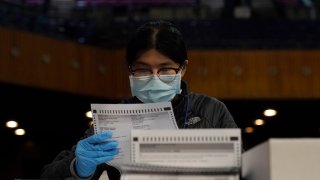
column 184, row 68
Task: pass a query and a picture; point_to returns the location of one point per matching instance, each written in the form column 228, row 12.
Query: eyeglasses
column 166, row 74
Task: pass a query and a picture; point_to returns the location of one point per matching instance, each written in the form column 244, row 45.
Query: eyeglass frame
column 181, row 67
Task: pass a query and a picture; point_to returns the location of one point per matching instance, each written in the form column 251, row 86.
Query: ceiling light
column 20, row 132
column 259, row 122
column 249, row 130
column 11, row 124
column 88, row 114
column 270, row 112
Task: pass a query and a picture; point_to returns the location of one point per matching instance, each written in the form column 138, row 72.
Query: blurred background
column 260, row 57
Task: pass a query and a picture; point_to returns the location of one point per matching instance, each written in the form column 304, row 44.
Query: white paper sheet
column 191, row 148
column 120, row 119
column 177, row 177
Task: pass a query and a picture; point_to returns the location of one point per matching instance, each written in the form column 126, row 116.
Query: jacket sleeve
column 212, row 111
column 225, row 118
column 59, row 168
column 62, row 165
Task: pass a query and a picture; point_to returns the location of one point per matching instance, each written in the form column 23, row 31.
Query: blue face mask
column 149, row 89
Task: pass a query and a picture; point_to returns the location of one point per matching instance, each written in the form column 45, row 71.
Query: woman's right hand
column 92, row 151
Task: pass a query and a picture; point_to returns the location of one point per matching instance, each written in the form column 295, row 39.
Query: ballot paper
column 179, row 177
column 208, row 149
column 168, row 154
column 120, row 119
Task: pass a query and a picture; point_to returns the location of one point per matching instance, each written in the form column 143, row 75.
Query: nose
column 154, row 72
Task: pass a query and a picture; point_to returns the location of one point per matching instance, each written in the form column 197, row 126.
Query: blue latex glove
column 93, row 151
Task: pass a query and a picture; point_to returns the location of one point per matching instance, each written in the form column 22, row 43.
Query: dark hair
column 159, row 35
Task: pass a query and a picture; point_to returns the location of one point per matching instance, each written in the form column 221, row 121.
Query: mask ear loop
column 186, row 121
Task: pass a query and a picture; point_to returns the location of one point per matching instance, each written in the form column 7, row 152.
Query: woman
column 157, row 61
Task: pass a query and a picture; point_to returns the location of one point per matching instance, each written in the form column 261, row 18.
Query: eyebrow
column 160, row 65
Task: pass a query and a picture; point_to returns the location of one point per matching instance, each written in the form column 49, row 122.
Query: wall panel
column 34, row 60
column 257, row 74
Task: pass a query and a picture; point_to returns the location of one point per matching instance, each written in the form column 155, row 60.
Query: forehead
column 154, row 58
